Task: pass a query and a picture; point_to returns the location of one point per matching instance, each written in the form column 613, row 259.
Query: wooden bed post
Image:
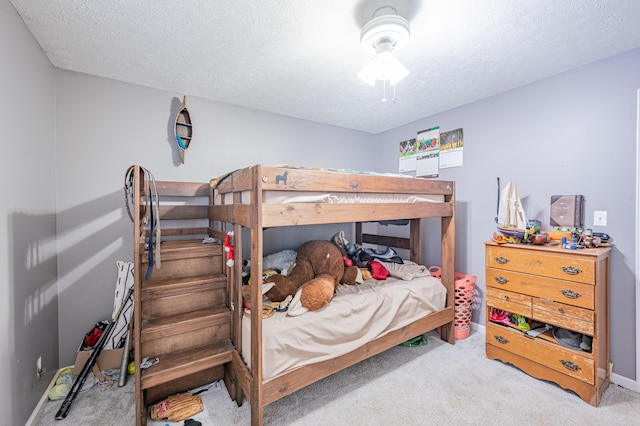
column 237, row 310
column 449, row 260
column 256, row 397
column 358, row 236
column 138, row 186
column 415, row 241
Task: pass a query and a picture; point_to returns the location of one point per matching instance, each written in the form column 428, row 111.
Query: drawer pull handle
column 569, row 365
column 502, row 260
column 501, row 339
column 570, row 294
column 506, row 298
column 561, row 310
column 501, row 280
column 571, row 270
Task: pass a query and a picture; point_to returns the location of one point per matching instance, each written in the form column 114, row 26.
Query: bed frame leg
column 446, row 333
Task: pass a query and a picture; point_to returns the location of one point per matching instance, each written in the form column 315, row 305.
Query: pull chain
column 384, row 92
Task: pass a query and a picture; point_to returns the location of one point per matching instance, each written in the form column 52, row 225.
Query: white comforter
column 356, row 315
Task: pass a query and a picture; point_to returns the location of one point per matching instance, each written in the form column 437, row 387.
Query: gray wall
column 28, row 293
column 574, row 133
column 104, row 126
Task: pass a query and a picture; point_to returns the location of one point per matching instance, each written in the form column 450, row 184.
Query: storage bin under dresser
column 559, row 287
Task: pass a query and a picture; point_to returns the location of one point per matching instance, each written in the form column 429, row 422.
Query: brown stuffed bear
column 318, row 270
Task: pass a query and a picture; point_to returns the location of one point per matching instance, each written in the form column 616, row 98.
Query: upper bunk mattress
column 290, row 184
column 357, row 315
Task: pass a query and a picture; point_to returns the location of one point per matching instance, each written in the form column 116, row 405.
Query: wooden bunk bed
column 261, row 197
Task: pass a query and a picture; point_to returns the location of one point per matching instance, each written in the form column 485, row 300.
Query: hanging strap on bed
column 150, row 249
column 155, row 218
column 154, row 223
column 151, row 209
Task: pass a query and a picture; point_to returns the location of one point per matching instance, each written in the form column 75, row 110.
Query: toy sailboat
column 183, row 129
column 512, row 220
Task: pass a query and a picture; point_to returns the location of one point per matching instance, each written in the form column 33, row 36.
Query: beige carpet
column 433, row 384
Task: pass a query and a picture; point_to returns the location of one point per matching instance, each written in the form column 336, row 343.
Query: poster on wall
column 451, row 148
column 407, row 161
column 428, row 152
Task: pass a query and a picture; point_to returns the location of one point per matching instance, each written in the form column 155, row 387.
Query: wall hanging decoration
column 183, row 129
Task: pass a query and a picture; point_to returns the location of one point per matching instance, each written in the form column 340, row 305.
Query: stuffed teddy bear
column 318, row 270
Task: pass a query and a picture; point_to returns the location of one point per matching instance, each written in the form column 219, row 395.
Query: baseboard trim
column 625, row 382
column 37, row 412
column 478, row 327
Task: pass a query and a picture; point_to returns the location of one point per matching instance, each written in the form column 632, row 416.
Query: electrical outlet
column 39, row 369
column 599, row 218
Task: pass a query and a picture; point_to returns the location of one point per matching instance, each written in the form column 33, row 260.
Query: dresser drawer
column 564, row 291
column 569, row 317
column 509, row 301
column 553, row 265
column 549, row 354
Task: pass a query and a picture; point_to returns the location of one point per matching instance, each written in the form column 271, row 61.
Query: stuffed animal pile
column 319, row 268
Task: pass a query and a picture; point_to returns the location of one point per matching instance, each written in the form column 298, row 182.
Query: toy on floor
column 63, row 384
column 177, row 407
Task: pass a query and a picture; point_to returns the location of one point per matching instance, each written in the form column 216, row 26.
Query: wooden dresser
column 562, row 288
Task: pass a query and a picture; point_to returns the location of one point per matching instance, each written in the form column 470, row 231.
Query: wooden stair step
column 157, row 328
column 181, row 249
column 179, row 364
column 179, row 286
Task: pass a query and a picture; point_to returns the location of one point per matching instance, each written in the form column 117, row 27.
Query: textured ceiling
column 300, row 58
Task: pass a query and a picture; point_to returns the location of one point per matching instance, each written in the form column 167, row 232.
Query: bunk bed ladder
column 181, row 313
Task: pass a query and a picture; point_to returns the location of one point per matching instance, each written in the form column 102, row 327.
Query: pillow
column 406, row 271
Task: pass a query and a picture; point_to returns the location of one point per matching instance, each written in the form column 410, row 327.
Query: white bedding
column 356, row 315
column 283, row 197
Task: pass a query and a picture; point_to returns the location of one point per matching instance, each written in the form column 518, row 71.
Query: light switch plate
column 599, row 218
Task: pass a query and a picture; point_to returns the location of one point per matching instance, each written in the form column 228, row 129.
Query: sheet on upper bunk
column 282, row 197
column 358, row 314
column 290, row 195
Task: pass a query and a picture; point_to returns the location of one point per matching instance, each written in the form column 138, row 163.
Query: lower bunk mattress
column 357, row 315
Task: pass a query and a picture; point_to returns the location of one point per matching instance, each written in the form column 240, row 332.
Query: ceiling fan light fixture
column 385, row 33
column 384, row 67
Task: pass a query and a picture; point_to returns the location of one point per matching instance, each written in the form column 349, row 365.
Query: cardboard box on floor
column 107, row 360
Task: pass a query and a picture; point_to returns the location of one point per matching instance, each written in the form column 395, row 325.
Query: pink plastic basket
column 464, row 287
